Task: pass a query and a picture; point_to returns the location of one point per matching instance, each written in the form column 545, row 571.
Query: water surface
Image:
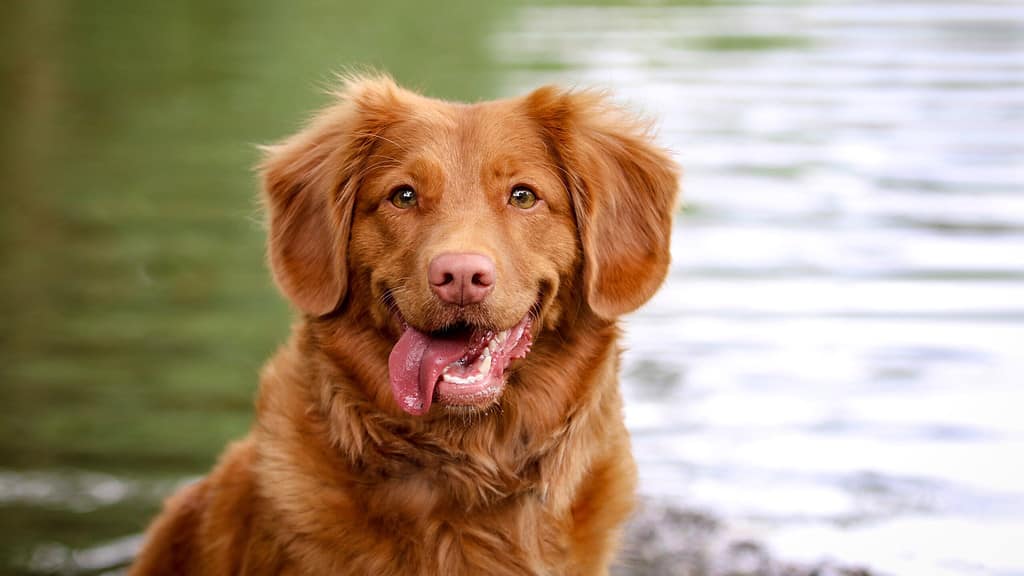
column 834, row 365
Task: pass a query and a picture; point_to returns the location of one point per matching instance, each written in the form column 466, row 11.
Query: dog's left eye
column 404, row 197
column 522, row 197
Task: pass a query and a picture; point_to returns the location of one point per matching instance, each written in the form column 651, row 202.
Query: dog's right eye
column 403, row 197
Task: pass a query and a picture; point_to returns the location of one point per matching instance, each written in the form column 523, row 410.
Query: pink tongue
column 415, row 364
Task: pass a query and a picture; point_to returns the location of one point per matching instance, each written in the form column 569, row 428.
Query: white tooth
column 485, row 366
column 460, row 381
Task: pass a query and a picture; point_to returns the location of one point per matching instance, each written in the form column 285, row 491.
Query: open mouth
column 464, row 366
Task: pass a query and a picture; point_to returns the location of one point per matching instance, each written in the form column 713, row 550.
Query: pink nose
column 461, row 278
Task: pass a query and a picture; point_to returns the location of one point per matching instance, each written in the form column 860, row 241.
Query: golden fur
column 334, row 478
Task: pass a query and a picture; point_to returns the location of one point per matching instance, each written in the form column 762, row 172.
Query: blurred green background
column 833, row 365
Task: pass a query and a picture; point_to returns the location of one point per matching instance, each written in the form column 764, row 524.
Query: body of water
column 835, row 366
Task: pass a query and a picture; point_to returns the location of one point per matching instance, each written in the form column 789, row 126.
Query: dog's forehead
column 500, row 129
column 463, row 135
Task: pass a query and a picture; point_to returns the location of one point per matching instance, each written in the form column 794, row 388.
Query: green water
column 136, row 303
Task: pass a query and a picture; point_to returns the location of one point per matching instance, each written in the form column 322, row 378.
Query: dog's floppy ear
column 623, row 190
column 309, row 185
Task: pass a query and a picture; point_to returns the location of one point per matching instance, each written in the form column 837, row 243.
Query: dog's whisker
column 384, row 163
column 378, row 136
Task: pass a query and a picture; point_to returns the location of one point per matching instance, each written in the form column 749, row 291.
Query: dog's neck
column 471, row 461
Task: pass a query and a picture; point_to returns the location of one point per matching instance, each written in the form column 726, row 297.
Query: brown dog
column 449, row 403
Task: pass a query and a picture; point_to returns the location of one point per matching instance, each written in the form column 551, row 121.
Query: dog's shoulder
column 203, row 528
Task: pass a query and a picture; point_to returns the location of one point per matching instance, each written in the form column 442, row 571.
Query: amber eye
column 403, row 197
column 522, row 198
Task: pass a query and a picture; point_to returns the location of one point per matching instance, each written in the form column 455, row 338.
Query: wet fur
column 334, row 478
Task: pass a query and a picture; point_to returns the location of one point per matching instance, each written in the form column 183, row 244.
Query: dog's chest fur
column 383, row 499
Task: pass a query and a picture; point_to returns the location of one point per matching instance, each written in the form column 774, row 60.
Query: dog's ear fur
column 624, row 191
column 309, row 186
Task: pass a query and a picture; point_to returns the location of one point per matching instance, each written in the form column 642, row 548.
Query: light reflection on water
column 835, row 363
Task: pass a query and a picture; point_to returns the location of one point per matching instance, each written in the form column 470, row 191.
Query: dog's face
column 465, row 230
column 474, row 220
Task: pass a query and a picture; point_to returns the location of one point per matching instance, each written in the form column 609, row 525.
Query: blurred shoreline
column 661, row 539
column 665, row 539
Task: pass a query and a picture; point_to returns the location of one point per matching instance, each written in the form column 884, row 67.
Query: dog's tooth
column 485, row 366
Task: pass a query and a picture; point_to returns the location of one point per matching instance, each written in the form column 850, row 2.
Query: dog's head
column 465, row 230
